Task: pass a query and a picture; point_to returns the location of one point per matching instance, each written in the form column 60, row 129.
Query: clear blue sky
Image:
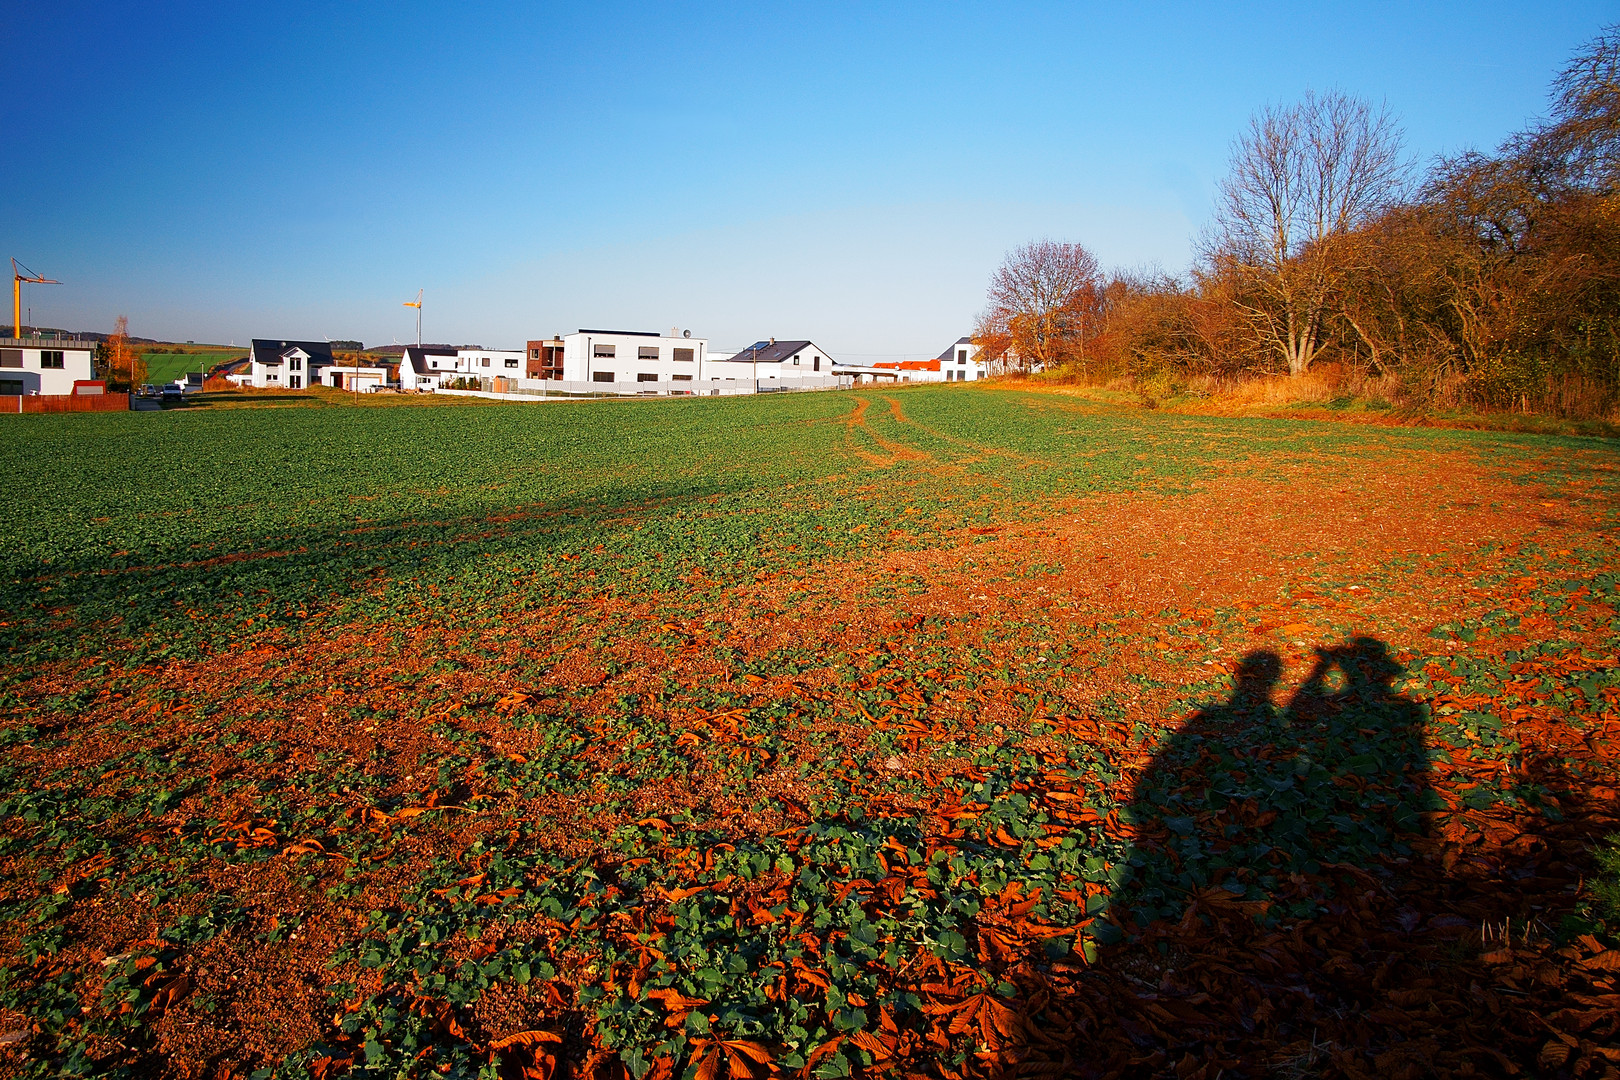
column 846, row 172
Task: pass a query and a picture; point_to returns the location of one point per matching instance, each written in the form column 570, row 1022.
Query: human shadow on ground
column 1288, row 911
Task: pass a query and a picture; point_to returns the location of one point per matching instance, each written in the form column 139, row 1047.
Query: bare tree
column 1302, row 179
column 1045, row 301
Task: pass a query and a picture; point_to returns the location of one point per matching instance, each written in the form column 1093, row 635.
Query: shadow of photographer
column 1266, row 810
column 1267, row 842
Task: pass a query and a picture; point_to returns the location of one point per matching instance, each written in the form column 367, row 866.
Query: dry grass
column 1569, row 404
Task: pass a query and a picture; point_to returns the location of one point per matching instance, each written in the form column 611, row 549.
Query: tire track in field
column 982, row 448
column 897, row 451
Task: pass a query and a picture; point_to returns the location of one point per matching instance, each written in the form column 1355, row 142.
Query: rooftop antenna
column 417, row 304
column 16, row 294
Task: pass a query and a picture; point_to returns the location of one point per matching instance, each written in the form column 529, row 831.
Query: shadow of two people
column 1272, row 847
column 1249, row 803
column 1284, row 908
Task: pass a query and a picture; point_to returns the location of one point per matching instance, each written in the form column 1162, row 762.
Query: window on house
column 961, row 356
column 602, row 352
column 294, row 364
column 602, row 376
column 274, row 376
column 435, row 364
column 50, row 358
column 646, row 376
column 11, row 387
column 511, row 361
column 294, row 382
column 817, row 364
column 684, row 356
column 795, row 358
column 10, row 358
column 486, row 361
column 681, row 378
column 646, row 352
column 534, row 354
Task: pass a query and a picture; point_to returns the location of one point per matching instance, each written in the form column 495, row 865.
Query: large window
column 11, row 387
column 817, row 364
column 646, row 376
column 10, row 358
column 961, row 356
column 294, row 364
column 295, row 382
column 684, row 356
column 50, row 358
column 602, row 376
column 603, row 352
column 681, row 378
column 511, row 361
column 646, row 352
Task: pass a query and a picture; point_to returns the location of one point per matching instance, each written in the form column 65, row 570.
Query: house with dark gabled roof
column 426, row 367
column 287, row 365
column 781, row 361
column 961, row 362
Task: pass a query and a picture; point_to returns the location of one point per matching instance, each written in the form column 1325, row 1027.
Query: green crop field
column 167, row 367
column 943, row 731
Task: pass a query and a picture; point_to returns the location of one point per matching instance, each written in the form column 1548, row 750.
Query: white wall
column 21, row 363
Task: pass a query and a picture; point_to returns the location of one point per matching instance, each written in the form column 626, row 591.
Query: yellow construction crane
column 417, row 304
column 16, row 294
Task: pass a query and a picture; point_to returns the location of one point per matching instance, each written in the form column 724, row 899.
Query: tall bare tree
column 1044, row 302
column 1302, row 178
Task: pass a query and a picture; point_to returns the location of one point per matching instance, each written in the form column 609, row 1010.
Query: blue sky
column 850, row 173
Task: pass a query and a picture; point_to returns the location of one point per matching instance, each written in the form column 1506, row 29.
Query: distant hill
column 81, row 335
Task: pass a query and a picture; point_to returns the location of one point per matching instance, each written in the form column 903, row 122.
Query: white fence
column 564, row 389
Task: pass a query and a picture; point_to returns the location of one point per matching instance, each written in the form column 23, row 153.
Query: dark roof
column 950, row 350
column 418, row 357
column 767, row 353
column 268, row 351
column 623, row 333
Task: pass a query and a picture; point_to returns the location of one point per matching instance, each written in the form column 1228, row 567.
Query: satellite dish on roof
column 686, row 333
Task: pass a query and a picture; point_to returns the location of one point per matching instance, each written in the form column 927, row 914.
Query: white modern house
column 651, row 362
column 44, row 366
column 775, row 364
column 435, row 367
column 286, row 365
column 426, row 367
column 961, row 362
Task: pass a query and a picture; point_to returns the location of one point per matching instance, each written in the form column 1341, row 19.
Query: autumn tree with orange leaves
column 121, row 364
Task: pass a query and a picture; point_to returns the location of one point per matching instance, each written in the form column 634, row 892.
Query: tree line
column 1490, row 280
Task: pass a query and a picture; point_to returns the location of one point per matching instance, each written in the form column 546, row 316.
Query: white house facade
column 437, row 367
column 660, row 362
column 286, row 365
column 44, row 366
column 961, row 362
column 775, row 364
